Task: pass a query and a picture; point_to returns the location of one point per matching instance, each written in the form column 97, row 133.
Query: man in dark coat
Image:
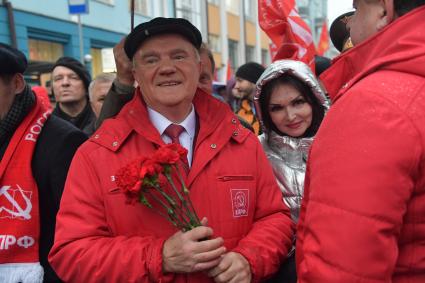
column 70, row 83
column 35, row 152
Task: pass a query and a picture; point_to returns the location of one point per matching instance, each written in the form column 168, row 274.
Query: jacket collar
column 398, row 47
column 214, row 116
column 84, row 118
column 217, row 123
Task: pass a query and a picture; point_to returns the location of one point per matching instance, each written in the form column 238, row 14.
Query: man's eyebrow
column 178, row 50
column 149, row 54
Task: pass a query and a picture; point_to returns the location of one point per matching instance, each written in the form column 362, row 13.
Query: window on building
column 302, row 3
column 102, row 61
column 186, row 3
column 249, row 9
column 140, row 7
column 215, row 2
column 233, row 54
column 44, row 51
column 109, row 2
column 214, row 42
column 232, row 6
column 249, row 53
column 96, row 62
column 265, row 57
column 189, row 10
column 184, row 13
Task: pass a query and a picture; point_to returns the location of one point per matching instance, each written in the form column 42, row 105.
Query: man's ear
column 388, row 14
column 19, row 83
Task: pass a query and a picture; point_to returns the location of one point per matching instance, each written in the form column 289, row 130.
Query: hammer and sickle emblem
column 240, row 200
column 20, row 212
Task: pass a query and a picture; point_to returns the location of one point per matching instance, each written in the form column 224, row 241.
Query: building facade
column 314, row 13
column 44, row 31
column 234, row 35
column 232, row 31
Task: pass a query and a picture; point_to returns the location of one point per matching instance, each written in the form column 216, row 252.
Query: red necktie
column 174, row 131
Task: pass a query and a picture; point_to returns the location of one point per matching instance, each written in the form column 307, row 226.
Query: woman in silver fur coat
column 291, row 105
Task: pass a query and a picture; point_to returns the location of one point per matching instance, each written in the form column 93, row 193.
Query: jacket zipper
column 235, row 178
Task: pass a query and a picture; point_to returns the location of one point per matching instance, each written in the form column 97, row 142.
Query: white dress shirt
column 186, row 138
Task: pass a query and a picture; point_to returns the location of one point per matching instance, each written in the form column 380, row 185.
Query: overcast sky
column 337, row 7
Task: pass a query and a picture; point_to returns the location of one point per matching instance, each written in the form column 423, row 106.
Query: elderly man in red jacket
column 102, row 238
column 363, row 214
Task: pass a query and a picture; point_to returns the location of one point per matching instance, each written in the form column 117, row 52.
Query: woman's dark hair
column 306, row 92
column 403, row 7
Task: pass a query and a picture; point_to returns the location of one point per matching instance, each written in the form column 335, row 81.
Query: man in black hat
column 362, row 218
column 122, row 90
column 246, row 78
column 35, row 152
column 246, row 229
column 70, row 83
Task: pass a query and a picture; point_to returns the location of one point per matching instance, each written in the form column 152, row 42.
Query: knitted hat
column 12, row 61
column 158, row 26
column 77, row 67
column 250, row 71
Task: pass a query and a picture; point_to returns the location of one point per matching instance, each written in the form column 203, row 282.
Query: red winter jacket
column 100, row 238
column 363, row 216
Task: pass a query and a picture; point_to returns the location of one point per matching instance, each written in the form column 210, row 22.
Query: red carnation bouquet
column 152, row 182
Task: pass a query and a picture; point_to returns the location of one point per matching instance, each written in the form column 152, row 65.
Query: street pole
column 80, row 36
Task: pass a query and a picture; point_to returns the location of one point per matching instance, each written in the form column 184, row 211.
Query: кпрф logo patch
column 240, row 202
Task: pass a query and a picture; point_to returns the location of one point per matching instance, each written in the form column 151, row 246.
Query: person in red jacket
column 103, row 238
column 362, row 218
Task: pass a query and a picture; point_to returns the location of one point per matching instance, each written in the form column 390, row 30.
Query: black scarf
column 22, row 104
column 82, row 121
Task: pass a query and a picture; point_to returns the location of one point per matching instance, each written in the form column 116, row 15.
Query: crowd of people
column 295, row 177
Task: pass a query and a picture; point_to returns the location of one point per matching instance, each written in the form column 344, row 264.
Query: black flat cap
column 339, row 32
column 158, row 26
column 12, row 61
column 77, row 67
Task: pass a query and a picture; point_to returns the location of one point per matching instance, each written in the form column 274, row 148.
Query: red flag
column 281, row 22
column 229, row 73
column 324, row 40
column 273, row 50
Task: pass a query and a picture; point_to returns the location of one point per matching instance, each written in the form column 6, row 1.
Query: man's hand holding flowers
column 187, row 252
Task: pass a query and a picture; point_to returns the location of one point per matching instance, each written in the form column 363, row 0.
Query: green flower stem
column 178, row 210
column 188, row 211
column 170, row 180
column 170, row 212
column 189, row 207
column 184, row 188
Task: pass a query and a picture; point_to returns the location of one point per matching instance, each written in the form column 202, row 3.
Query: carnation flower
column 151, row 181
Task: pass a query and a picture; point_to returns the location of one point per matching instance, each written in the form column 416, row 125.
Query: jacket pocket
column 228, row 178
column 236, row 194
column 114, row 191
